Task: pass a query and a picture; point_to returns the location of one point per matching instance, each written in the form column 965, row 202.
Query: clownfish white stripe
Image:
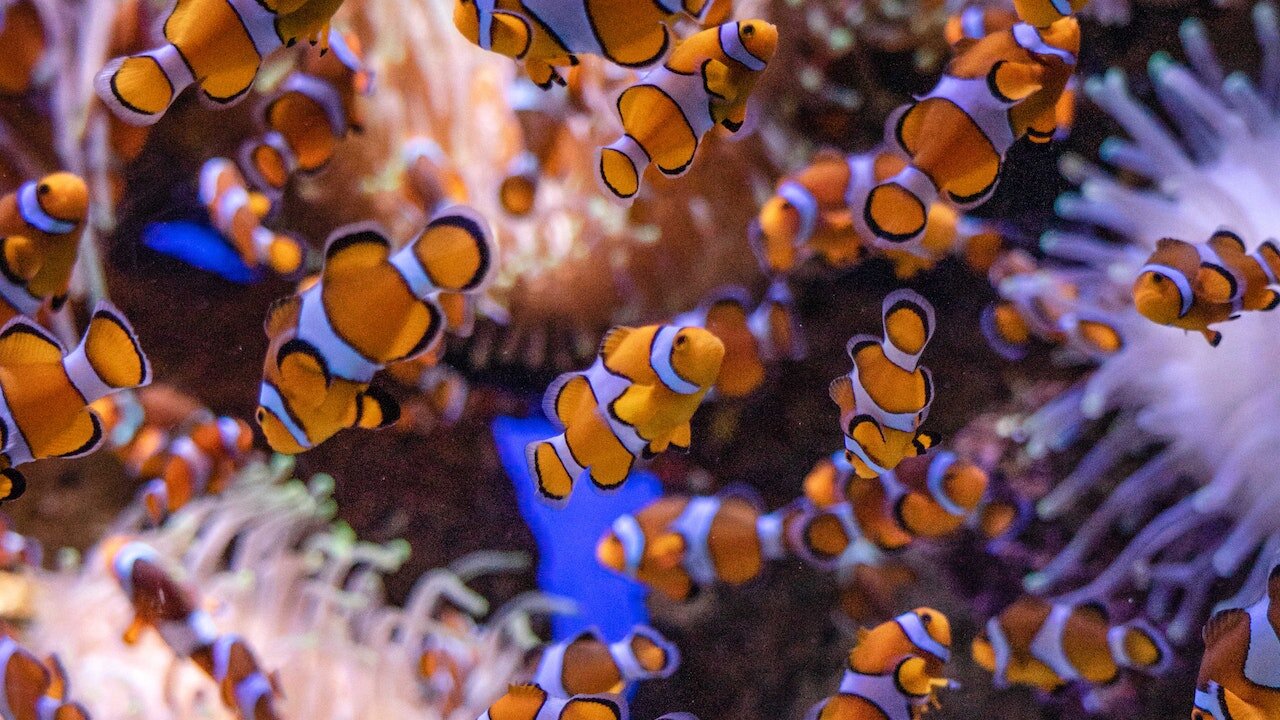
column 83, row 377
column 274, row 140
column 125, row 559
column 484, row 13
column 16, row 448
column 660, row 358
column 862, row 455
column 229, row 432
column 269, row 398
column 260, row 23
column 937, row 473
column 189, row 634
column 1028, row 38
column 1047, row 647
column 1002, row 650
column 631, row 535
column 972, row 23
column 731, row 43
column 549, row 674
column 694, row 524
column 324, row 94
column 1177, row 278
column 1260, row 666
column 881, row 691
column 415, row 275
column 209, row 174
column 671, row 6
column 1210, row 701
column 339, row 47
column 573, row 25
column 250, row 690
column 806, row 206
column 233, row 200
column 173, row 65
column 31, row 211
column 769, row 530
column 262, row 241
column 343, row 360
column 7, row 648
column 1266, row 267
column 199, row 463
column 920, row 637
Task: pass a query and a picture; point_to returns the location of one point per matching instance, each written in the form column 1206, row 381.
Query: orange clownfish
column 549, row 34
column 313, row 109
column 996, row 90
column 1239, row 675
column 371, row 307
column 677, row 544
column 44, row 410
column 22, row 35
column 159, row 601
column 975, row 22
column 886, row 396
column 32, row 690
column 237, row 213
column 895, row 670
column 40, row 227
column 636, row 400
column 217, row 45
column 1192, row 286
column 201, row 460
column 245, row 688
column 1043, row 13
column 518, row 190
column 587, row 665
column 430, row 179
column 530, row 702
column 705, row 82
column 1045, row 645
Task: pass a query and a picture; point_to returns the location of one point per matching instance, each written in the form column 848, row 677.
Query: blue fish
column 200, row 246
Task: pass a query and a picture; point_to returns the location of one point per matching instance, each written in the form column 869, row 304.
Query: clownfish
column 244, row 687
column 546, row 35
column 588, row 665
column 198, row 462
column 313, row 109
column 17, row 551
column 886, row 396
column 530, row 702
column 1238, row 678
column 40, row 227
column 371, row 307
column 895, row 670
column 44, row 411
column 159, row 601
column 237, row 213
column 677, row 544
column 1045, row 645
column 519, row 187
column 217, row 45
column 975, row 22
column 998, row 89
column 636, row 400
column 430, row 179
column 752, row 337
column 445, row 662
column 705, row 82
column 1193, row 286
column 1044, row 13
column 32, row 690
column 22, row 35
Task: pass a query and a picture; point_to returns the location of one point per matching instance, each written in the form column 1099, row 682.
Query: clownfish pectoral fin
column 735, row 117
column 635, row 406
column 112, row 347
column 82, row 436
column 682, row 437
column 542, row 74
column 71, row 711
column 925, row 440
column 715, row 79
column 1216, row 283
column 1011, row 82
column 59, row 686
column 456, row 250
column 20, row 256
column 841, row 391
column 912, row 677
column 22, row 342
column 12, row 484
column 375, row 409
column 1270, row 300
column 282, row 315
column 304, row 373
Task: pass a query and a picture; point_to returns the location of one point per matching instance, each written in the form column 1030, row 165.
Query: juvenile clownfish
column 430, row 179
column 45, row 410
column 1238, row 678
column 17, row 551
column 446, row 661
column 1193, row 286
column 315, row 107
column 518, row 190
column 996, row 90
column 198, row 462
column 895, row 670
column 32, row 690
column 530, row 702
column 217, row 45
column 886, row 396
column 40, row 227
column 237, row 213
column 371, row 307
column 22, row 35
column 546, row 35
column 1045, row 645
column 587, row 665
column 159, row 601
column 677, row 544
column 636, row 400
column 245, row 688
column 705, row 82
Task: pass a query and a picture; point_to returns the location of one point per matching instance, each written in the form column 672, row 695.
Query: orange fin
column 1222, row 624
column 841, row 391
column 282, row 315
column 613, row 339
column 22, row 342
column 354, row 247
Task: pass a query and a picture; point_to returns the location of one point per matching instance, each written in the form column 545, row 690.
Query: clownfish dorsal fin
column 1227, row 240
column 1224, row 623
column 594, row 707
column 25, row 680
column 667, row 550
column 355, row 247
column 111, row 345
column 22, row 342
column 282, row 315
column 520, row 701
column 613, row 340
column 1096, row 610
column 841, row 391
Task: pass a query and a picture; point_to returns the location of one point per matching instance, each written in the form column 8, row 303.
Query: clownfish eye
column 748, row 30
column 680, row 340
column 44, row 189
column 1157, row 277
column 786, row 205
column 261, row 415
column 926, row 618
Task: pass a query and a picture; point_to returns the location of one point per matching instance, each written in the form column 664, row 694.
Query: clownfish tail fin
column 897, row 209
column 375, row 409
column 138, row 89
column 71, row 711
column 622, row 164
column 111, row 350
column 553, row 468
column 268, row 161
column 457, row 250
column 1268, row 256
